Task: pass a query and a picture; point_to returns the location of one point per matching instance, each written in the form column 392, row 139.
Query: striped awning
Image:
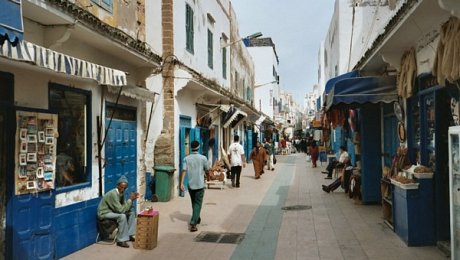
column 31, row 53
column 233, row 117
column 135, row 92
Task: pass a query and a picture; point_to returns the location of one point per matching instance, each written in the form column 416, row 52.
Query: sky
column 297, row 28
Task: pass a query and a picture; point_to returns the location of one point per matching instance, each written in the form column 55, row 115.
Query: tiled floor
column 334, row 228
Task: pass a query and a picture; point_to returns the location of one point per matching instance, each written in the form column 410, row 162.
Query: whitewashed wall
column 264, row 60
column 199, row 59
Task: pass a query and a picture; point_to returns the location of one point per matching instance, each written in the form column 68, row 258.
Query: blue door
column 248, row 145
column 184, row 150
column 390, row 139
column 186, row 136
column 31, row 224
column 120, row 154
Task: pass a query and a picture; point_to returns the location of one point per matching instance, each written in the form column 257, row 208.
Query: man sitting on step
column 114, row 206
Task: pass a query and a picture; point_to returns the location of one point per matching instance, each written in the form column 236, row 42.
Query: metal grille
column 296, row 207
column 222, row 238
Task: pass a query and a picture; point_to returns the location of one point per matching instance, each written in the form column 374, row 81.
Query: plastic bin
column 163, row 182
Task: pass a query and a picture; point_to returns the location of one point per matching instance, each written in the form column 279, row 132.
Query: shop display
column 36, row 152
column 454, row 180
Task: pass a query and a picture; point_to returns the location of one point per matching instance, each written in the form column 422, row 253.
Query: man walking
column 237, row 160
column 270, row 151
column 114, row 206
column 195, row 166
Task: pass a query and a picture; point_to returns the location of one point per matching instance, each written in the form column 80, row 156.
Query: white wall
column 199, row 59
column 370, row 22
column 153, row 27
column 264, row 60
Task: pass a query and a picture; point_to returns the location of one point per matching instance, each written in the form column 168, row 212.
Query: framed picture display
column 41, row 136
column 36, row 135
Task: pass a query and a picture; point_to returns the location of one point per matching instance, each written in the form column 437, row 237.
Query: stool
column 107, row 231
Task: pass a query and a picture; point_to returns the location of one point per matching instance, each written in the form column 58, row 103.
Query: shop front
column 355, row 108
column 51, row 181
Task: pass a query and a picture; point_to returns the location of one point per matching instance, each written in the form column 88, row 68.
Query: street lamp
column 249, row 37
column 260, row 85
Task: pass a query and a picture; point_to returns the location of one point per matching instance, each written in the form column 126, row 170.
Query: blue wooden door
column 390, row 139
column 248, row 145
column 120, row 155
column 184, row 150
column 31, row 226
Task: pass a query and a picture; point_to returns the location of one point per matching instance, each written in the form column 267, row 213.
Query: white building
column 267, row 88
column 208, row 77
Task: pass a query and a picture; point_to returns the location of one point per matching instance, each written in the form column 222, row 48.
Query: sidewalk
column 334, row 228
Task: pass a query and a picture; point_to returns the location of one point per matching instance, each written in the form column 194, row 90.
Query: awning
column 260, row 120
column 134, row 92
column 61, row 63
column 363, row 90
column 330, row 83
column 11, row 27
column 232, row 117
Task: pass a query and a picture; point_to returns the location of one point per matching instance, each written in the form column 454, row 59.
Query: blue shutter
column 210, row 50
column 224, row 63
column 11, row 21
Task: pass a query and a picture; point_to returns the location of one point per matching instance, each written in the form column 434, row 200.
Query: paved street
column 334, row 228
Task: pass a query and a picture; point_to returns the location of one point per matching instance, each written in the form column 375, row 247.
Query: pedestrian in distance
column 195, row 165
column 114, row 206
column 314, row 152
column 237, row 160
column 269, row 149
column 258, row 156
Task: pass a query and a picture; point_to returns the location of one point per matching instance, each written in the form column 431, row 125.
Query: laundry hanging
column 407, row 74
column 446, row 63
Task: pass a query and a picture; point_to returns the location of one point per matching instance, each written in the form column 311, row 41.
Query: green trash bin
column 163, row 182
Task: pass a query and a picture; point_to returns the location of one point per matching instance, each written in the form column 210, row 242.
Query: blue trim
column 68, row 222
column 11, row 26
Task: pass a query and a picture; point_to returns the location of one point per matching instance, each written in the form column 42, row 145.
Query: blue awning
column 362, row 90
column 330, row 83
column 11, row 27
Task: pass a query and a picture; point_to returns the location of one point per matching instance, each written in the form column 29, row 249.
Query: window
column 73, row 147
column 242, row 90
column 224, row 63
column 236, row 82
column 189, row 28
column 210, row 50
column 248, row 93
column 105, row 4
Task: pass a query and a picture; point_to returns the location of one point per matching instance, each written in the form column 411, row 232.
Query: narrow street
column 334, row 228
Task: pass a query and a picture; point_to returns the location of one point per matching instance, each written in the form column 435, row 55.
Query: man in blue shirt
column 195, row 166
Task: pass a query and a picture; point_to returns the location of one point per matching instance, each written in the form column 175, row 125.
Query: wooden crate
column 147, row 230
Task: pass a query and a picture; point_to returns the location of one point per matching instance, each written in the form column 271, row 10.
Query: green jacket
column 113, row 202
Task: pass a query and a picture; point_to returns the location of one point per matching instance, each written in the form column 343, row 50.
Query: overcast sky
column 297, row 28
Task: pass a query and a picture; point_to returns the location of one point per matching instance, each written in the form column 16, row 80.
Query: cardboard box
column 147, row 230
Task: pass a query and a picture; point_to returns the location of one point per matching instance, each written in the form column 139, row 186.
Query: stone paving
column 334, row 228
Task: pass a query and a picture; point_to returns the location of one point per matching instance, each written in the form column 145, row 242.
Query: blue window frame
column 210, row 50
column 189, row 29
column 73, row 148
column 224, row 63
column 104, row 4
